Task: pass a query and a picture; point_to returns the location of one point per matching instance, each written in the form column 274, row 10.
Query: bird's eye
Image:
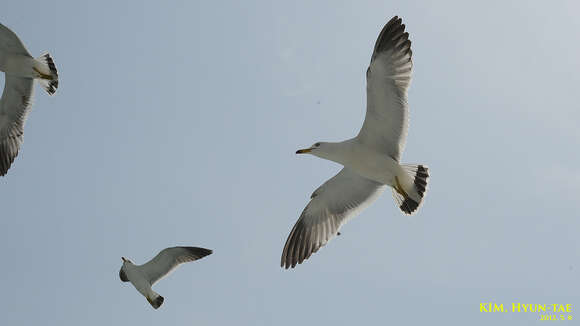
column 317, row 144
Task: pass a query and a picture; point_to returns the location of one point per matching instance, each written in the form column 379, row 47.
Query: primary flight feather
column 371, row 159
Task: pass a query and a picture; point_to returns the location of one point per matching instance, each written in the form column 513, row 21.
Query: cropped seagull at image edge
column 20, row 69
column 143, row 277
column 371, row 159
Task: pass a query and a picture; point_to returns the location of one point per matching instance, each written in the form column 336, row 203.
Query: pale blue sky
column 176, row 123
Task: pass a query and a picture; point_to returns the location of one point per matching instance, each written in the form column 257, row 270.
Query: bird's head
column 122, row 274
column 315, row 149
column 323, row 150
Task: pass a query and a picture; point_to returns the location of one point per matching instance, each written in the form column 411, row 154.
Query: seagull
column 144, row 276
column 21, row 69
column 371, row 160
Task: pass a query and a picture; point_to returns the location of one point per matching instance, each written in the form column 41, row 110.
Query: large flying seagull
column 371, row 160
column 21, row 69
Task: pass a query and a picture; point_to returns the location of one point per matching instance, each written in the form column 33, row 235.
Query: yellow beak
column 304, row 151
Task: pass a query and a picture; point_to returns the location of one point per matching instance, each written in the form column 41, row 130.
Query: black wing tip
column 7, row 156
column 291, row 252
column 201, row 252
column 395, row 20
column 284, row 265
column 299, row 246
column 391, row 35
column 292, row 263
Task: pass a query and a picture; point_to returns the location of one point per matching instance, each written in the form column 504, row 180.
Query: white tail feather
column 46, row 73
column 409, row 196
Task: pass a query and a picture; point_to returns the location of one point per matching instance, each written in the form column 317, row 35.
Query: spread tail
column 46, row 73
column 409, row 192
column 156, row 302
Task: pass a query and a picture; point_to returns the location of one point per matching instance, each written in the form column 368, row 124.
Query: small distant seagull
column 371, row 159
column 144, row 276
column 21, row 69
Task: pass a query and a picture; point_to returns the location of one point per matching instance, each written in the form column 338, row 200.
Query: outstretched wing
column 10, row 43
column 332, row 204
column 14, row 107
column 168, row 259
column 388, row 78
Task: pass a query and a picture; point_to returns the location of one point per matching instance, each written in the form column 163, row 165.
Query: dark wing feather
column 332, row 204
column 168, row 259
column 14, row 107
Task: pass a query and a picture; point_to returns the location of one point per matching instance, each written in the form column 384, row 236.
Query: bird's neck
column 336, row 152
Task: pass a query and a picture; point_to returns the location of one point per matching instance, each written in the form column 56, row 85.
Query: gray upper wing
column 168, row 259
column 14, row 107
column 388, row 78
column 332, row 204
column 10, row 43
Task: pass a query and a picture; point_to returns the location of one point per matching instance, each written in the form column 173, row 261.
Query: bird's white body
column 139, row 279
column 365, row 161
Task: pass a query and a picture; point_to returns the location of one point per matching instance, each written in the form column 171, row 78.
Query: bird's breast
column 374, row 166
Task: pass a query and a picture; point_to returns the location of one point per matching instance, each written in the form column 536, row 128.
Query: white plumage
column 143, row 277
column 371, row 159
column 20, row 69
